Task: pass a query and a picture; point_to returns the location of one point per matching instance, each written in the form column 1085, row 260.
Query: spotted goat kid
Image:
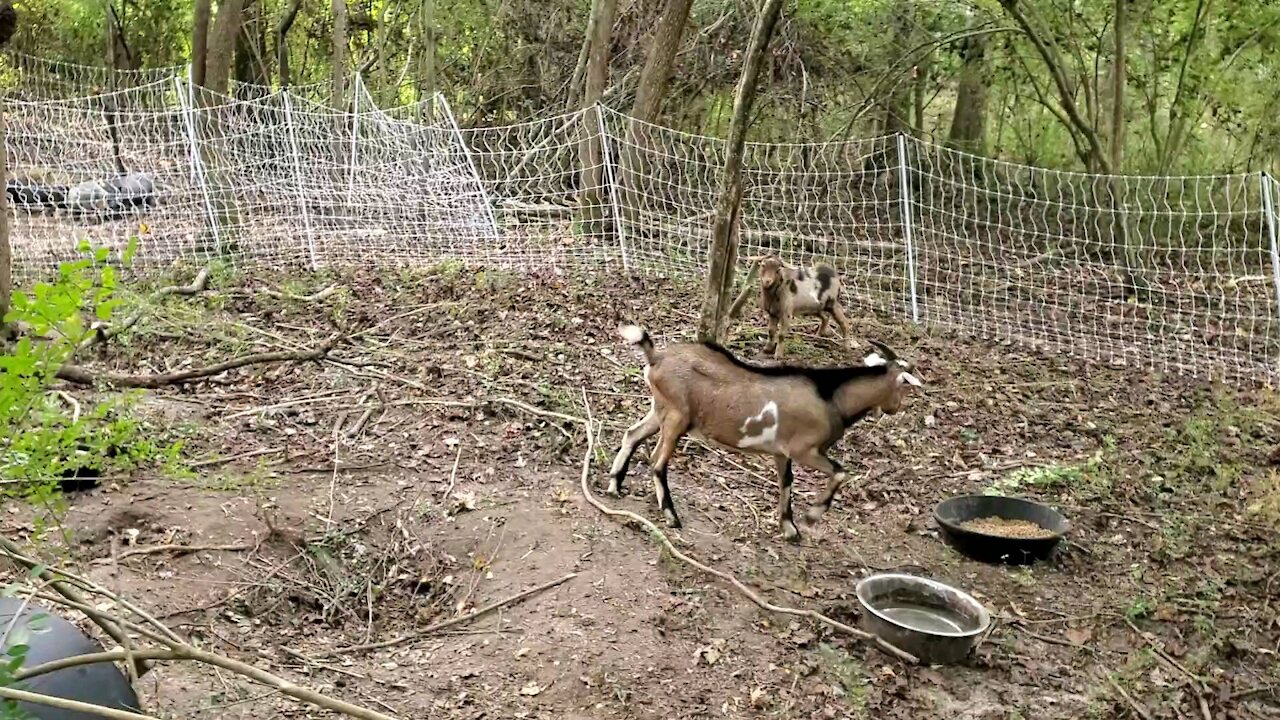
column 788, row 292
column 793, row 413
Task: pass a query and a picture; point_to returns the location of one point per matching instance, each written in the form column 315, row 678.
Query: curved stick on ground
column 747, row 592
column 73, row 705
column 198, row 285
column 83, row 376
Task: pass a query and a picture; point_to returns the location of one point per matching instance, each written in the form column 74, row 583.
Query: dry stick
column 1138, row 709
column 1197, row 686
column 727, row 577
column 233, row 458
column 71, row 705
column 183, row 651
column 353, row 649
column 184, row 549
column 91, row 659
column 73, row 594
column 314, row 297
column 200, row 284
column 82, row 376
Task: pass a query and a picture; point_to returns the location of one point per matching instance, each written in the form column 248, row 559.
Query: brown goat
column 794, row 414
column 787, row 292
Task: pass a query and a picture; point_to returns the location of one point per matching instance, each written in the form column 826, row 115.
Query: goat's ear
column 905, row 378
column 873, row 360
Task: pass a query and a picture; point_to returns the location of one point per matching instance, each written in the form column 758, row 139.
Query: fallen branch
column 427, row 631
column 1197, row 685
column 747, row 592
column 83, row 376
column 314, row 297
column 200, row 284
column 1139, row 710
column 70, row 705
column 183, row 549
column 116, row 627
column 73, row 594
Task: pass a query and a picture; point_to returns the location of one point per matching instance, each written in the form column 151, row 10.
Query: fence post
column 447, row 111
column 606, row 156
column 1269, row 186
column 297, row 178
column 187, row 99
column 355, row 134
column 904, row 195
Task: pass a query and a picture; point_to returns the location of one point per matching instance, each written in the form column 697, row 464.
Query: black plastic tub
column 984, row 547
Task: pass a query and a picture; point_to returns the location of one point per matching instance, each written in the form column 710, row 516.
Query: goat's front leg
column 673, row 428
column 790, row 532
column 784, row 324
column 772, row 345
column 636, row 434
column 818, row 461
column 837, row 311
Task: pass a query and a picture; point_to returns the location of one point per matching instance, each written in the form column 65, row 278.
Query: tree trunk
column 592, row 145
column 200, row 40
column 222, row 44
column 282, row 41
column 1119, row 80
column 6, row 255
column 338, row 62
column 427, row 72
column 724, row 238
column 663, row 46
column 245, row 70
column 969, row 121
column 896, row 104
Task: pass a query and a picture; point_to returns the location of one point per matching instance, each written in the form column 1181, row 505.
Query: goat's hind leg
column 636, row 434
column 673, row 428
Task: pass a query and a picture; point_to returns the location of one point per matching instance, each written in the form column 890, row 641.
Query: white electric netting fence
column 1172, row 273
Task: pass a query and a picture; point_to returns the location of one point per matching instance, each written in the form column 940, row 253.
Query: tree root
column 83, row 376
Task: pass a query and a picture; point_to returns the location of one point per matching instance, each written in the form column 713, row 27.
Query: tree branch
column 198, row 285
column 83, row 376
column 71, row 705
column 1060, row 80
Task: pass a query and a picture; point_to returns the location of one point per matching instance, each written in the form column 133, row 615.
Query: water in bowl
column 924, row 618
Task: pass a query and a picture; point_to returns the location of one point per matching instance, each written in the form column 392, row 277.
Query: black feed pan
column 952, row 513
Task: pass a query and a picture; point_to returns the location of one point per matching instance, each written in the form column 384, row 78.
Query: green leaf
column 130, row 250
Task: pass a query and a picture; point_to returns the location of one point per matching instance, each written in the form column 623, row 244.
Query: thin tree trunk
column 896, row 105
column 6, row 253
column 222, row 43
column 244, row 63
column 658, row 64
column 592, row 155
column 969, row 121
column 427, row 75
column 200, row 40
column 724, row 239
column 338, row 94
column 282, row 41
column 1119, row 80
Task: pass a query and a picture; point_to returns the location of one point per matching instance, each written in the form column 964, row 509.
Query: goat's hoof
column 672, row 520
column 614, row 491
column 813, row 515
column 790, row 532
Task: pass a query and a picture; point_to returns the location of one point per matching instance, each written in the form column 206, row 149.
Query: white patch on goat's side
column 907, row 377
column 633, row 334
column 768, row 434
column 873, row 360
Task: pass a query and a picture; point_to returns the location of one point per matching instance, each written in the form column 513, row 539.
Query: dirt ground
column 363, row 499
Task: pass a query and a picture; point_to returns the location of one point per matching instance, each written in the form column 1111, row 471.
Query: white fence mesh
column 1171, row 273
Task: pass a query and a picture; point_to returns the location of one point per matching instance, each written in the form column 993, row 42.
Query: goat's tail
column 638, row 336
